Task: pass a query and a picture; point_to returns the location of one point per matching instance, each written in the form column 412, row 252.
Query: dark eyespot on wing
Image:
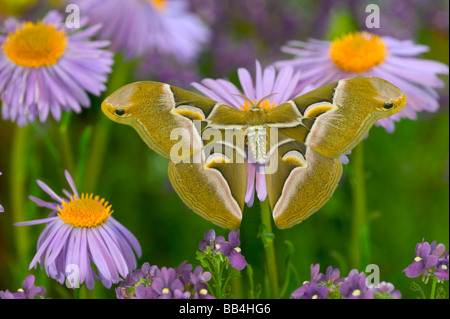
column 119, row 112
column 388, row 105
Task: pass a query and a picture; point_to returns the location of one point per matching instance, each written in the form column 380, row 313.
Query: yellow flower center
column 265, row 104
column 89, row 211
column 35, row 45
column 358, row 52
column 356, row 292
column 158, row 4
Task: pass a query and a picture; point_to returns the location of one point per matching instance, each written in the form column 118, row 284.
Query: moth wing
column 164, row 116
column 302, row 183
column 215, row 187
column 339, row 114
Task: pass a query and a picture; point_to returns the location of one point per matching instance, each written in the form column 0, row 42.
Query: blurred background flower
column 138, row 27
column 46, row 68
column 363, row 53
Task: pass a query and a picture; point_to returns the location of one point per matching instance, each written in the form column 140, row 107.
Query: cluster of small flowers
column 216, row 246
column 223, row 258
column 429, row 259
column 354, row 286
column 150, row 282
column 28, row 291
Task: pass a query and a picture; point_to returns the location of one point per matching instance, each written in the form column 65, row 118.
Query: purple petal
column 237, row 260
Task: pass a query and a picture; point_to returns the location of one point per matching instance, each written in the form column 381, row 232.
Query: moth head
column 371, row 95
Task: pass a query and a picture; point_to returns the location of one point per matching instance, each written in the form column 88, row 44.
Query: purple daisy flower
column 426, row 257
column 162, row 26
column 79, row 232
column 28, row 291
column 47, row 68
column 363, row 53
column 232, row 250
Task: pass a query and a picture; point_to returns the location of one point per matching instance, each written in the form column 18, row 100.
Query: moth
column 304, row 139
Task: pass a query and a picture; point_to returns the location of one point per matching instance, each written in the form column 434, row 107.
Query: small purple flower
column 355, row 287
column 80, row 232
column 210, row 240
column 167, row 283
column 183, row 272
column 387, row 290
column 142, row 277
column 28, row 291
column 143, row 292
column 310, row 290
column 150, row 282
column 199, row 279
column 232, row 250
column 424, row 259
column 47, row 68
column 441, row 271
column 331, row 275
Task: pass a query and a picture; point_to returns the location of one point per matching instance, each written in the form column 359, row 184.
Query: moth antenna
column 250, row 102
column 244, row 97
column 265, row 98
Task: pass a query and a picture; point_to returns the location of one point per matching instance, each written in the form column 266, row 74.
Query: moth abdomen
column 257, row 143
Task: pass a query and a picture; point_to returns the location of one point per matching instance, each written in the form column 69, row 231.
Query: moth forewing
column 274, row 142
column 235, row 138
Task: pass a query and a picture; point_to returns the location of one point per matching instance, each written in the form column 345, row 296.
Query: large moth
column 298, row 143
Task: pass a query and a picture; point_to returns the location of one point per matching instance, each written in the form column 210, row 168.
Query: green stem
column 218, row 275
column 119, row 77
column 360, row 228
column 433, row 288
column 66, row 145
column 18, row 182
column 252, row 285
column 237, row 288
column 269, row 249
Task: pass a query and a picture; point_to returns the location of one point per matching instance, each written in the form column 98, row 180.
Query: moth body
column 257, row 144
